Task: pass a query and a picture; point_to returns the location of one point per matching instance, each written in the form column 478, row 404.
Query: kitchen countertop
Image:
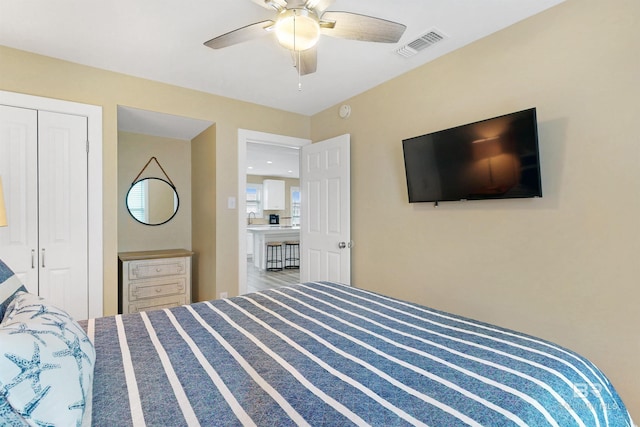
column 265, row 233
column 268, row 229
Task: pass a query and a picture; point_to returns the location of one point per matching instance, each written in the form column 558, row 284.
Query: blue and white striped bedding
column 327, row 354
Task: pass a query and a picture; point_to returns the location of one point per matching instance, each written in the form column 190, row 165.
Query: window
column 295, row 206
column 137, row 201
column 254, row 200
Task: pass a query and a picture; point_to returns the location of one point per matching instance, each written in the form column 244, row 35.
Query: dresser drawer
column 157, row 303
column 156, row 268
column 157, row 288
column 151, row 280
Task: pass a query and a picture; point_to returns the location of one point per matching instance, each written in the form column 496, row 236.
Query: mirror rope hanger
column 161, row 168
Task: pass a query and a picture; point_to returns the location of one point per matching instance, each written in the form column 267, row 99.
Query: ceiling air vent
column 424, row 41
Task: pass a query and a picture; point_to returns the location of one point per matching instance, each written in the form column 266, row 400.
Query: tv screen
column 491, row 159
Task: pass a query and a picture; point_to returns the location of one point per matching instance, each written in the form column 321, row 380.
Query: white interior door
column 20, row 241
column 43, row 164
column 62, row 164
column 19, row 171
column 325, row 229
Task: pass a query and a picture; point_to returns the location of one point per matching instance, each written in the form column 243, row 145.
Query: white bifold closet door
column 19, row 172
column 43, row 164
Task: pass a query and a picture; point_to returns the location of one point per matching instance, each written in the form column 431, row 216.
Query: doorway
column 253, row 137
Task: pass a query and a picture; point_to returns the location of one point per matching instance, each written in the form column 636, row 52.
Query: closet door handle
column 33, row 258
column 42, row 257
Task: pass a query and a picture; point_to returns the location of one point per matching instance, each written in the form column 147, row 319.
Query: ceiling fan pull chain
column 298, row 52
column 294, row 32
column 299, row 75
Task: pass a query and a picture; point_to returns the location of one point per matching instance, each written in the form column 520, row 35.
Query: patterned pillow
column 9, row 285
column 46, row 364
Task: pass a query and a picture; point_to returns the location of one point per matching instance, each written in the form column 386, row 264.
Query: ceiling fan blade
column 250, row 32
column 347, row 25
column 319, row 5
column 272, row 4
column 308, row 61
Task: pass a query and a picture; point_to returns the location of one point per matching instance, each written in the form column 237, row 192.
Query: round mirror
column 152, row 201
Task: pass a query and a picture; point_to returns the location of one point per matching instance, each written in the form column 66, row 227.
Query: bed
column 327, row 354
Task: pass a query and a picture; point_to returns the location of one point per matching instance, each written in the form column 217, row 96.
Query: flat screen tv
column 496, row 158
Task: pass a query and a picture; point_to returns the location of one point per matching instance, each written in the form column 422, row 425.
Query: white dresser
column 150, row 280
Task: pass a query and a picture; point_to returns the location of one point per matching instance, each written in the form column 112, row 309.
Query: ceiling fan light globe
column 297, row 29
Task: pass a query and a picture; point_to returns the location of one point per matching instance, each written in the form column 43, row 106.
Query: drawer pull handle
column 158, row 290
column 158, row 270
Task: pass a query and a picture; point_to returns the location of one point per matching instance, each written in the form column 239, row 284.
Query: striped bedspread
column 326, row 354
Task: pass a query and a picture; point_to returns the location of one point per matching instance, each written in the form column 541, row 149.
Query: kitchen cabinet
column 273, row 195
column 249, row 244
column 151, row 280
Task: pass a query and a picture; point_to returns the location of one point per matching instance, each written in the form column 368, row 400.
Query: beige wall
column 174, row 155
column 204, row 236
column 564, row 267
column 47, row 77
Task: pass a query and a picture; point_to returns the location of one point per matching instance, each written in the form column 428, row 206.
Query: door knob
column 342, row 245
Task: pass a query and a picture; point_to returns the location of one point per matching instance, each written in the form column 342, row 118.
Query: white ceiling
column 163, row 40
column 159, row 124
column 273, row 160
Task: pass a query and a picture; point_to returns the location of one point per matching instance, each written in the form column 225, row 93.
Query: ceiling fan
column 298, row 25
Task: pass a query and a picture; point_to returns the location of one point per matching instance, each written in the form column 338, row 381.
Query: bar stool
column 292, row 254
column 274, row 256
